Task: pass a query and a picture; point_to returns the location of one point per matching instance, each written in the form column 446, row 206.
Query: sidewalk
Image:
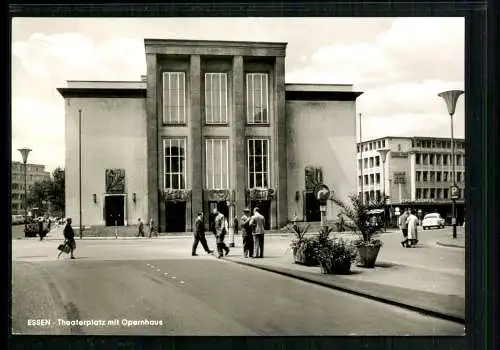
column 424, row 289
column 459, row 242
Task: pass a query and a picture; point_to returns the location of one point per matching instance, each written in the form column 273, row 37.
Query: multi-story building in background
column 34, row 173
column 417, row 173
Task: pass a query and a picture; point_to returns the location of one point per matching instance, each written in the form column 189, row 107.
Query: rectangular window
column 459, row 160
column 174, row 163
column 432, row 176
column 371, row 162
column 433, row 194
column 425, row 176
column 418, row 193
column 258, row 163
column 377, row 161
column 174, row 98
column 372, row 179
column 216, row 92
column 445, row 193
column 419, row 176
column 360, row 163
column 426, row 193
column 360, row 180
column 459, row 177
column 417, row 159
column 365, row 163
column 445, row 176
column 217, row 164
column 366, row 179
column 378, row 178
column 439, row 193
column 431, row 159
column 257, row 98
column 438, row 176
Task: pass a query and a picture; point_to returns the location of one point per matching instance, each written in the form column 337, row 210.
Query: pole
column 362, row 164
column 25, row 200
column 453, row 209
column 383, row 193
column 80, row 165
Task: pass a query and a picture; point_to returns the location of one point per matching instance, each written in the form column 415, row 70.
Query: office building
column 34, row 173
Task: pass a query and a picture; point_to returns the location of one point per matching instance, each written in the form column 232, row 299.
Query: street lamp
column 362, row 164
column 383, row 155
column 24, row 154
column 451, row 98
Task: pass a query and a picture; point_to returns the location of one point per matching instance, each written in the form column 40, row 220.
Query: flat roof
column 318, row 87
column 197, row 42
column 96, row 84
column 411, row 138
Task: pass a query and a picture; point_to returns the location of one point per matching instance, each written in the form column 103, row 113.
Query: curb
column 450, row 245
column 426, row 311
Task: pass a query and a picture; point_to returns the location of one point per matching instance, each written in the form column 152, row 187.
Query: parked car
column 432, row 220
column 17, row 219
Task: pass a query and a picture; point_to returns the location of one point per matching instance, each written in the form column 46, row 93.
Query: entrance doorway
column 113, row 210
column 221, row 207
column 264, row 210
column 312, row 208
column 175, row 215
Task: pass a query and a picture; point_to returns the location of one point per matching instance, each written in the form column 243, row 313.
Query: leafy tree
column 46, row 191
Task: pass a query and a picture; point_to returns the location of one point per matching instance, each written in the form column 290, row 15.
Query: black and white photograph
column 238, row 176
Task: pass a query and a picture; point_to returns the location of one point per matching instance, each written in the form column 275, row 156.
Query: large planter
column 302, row 257
column 368, row 255
column 332, row 267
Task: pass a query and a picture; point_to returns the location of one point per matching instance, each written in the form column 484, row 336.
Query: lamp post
column 24, row 154
column 80, row 167
column 451, row 98
column 361, row 157
column 383, row 155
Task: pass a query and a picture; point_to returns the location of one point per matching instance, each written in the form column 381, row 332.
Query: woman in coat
column 412, row 222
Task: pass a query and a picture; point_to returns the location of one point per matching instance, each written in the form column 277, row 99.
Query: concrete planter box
column 330, row 267
column 368, row 256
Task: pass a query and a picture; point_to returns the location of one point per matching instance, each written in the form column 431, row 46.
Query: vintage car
column 432, row 220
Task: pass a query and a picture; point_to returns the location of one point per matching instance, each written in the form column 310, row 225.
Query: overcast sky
column 400, row 65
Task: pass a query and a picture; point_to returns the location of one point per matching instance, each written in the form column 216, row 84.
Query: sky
column 400, row 64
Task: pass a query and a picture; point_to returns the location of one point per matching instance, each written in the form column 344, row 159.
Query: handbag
column 65, row 248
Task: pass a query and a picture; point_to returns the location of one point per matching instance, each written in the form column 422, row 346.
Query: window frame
column 182, row 174
column 225, row 120
column 268, row 163
column 211, row 140
column 165, row 94
column 250, row 108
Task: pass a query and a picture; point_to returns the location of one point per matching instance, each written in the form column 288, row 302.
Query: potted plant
column 335, row 255
column 302, row 246
column 358, row 215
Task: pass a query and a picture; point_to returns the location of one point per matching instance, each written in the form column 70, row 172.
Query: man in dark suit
column 199, row 235
column 247, row 234
column 257, row 223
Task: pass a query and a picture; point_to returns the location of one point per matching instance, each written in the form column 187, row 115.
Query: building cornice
column 322, row 95
column 214, row 48
column 102, row 93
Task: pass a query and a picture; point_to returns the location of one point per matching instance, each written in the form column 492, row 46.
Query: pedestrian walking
column 140, row 228
column 403, row 225
column 246, row 234
column 199, row 235
column 41, row 233
column 152, row 228
column 412, row 222
column 69, row 240
column 220, row 227
column 257, row 223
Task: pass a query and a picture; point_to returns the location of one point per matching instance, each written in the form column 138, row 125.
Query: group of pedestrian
column 152, row 229
column 252, row 227
column 408, row 223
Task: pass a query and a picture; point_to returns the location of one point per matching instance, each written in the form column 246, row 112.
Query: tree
column 48, row 191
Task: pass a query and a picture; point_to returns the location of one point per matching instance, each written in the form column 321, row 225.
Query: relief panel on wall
column 115, row 181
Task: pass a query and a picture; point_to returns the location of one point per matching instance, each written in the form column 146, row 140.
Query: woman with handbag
column 70, row 244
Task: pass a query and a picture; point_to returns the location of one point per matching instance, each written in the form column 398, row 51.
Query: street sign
column 454, row 192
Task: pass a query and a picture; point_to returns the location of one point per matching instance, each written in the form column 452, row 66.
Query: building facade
column 211, row 124
column 417, row 173
column 34, row 173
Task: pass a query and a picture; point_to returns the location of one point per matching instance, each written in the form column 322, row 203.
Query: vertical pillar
column 195, row 139
column 280, row 147
column 238, row 136
column 152, row 135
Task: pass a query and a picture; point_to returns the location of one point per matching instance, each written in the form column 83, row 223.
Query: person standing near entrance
column 220, row 232
column 403, row 225
column 412, row 222
column 140, row 228
column 257, row 223
column 152, row 229
column 247, row 234
column 199, row 235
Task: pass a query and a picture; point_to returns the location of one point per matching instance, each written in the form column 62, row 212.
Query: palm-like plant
column 358, row 217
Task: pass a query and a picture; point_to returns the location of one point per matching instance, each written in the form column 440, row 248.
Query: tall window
column 216, row 98
column 174, row 161
column 258, row 163
column 174, row 98
column 257, row 98
column 217, row 163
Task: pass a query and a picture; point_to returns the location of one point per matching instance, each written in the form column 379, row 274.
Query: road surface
column 158, row 282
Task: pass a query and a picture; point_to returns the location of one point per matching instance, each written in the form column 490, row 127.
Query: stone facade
column 293, row 113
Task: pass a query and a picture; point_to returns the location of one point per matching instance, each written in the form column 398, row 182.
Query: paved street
column 158, row 280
